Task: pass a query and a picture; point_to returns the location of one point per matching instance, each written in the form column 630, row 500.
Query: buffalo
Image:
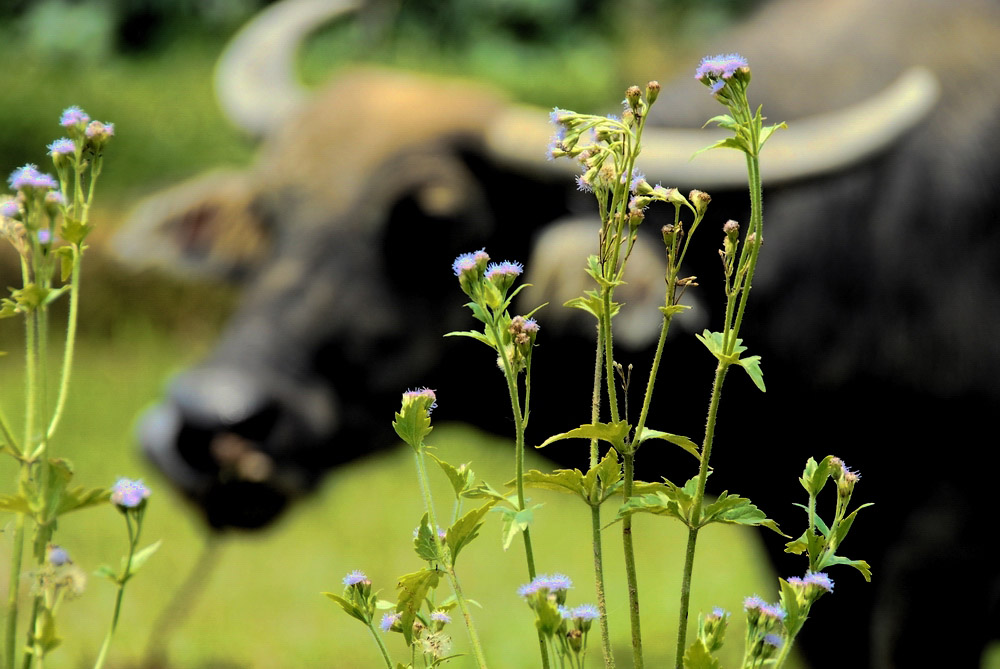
column 875, row 307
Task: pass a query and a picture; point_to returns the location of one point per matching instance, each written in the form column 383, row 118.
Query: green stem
column 13, row 589
column 602, row 605
column 133, row 541
column 699, row 498
column 477, row 648
column 515, row 407
column 67, row 367
column 630, row 574
column 381, row 646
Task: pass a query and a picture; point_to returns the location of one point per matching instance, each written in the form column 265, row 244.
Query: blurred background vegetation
column 147, row 66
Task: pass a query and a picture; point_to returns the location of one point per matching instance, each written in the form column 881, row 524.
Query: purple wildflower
column 722, row 66
column 530, row 326
column 504, row 270
column 411, row 396
column 819, row 579
column 637, row 178
column 61, row 147
column 774, row 612
column 528, row 589
column 100, row 132
column 774, row 640
column 355, row 577
column 129, row 494
column 753, row 602
column 718, row 612
column 555, row 582
column 57, row 555
column 583, row 185
column 585, row 612
column 468, row 262
column 388, row 620
column 28, row 176
column 9, row 208
column 559, row 116
column 72, row 116
column 441, row 617
column 44, row 236
column 717, row 86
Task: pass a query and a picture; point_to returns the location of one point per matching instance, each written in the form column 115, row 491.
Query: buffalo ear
column 206, row 227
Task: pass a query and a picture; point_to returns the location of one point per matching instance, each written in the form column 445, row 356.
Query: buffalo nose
column 240, row 445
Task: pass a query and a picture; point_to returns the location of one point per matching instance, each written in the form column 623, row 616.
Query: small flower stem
column 67, row 367
column 381, row 645
column 477, row 648
column 515, row 407
column 133, row 541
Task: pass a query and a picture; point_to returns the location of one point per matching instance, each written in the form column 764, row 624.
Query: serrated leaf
column 698, row 657
column 16, row 503
column 737, row 143
column 412, row 425
column 472, row 334
column 736, row 510
column 413, row 589
column 561, row 480
column 814, row 476
column 724, row 121
column 659, row 504
column 592, row 305
column 65, row 255
column 348, row 607
column 675, row 439
column 466, row 528
column 609, row 475
column 752, row 367
column 766, row 133
column 460, row 477
column 673, row 309
column 78, row 497
column 140, row 557
column 613, row 433
column 74, row 231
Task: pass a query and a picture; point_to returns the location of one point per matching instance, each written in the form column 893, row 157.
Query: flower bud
column 700, row 200
column 633, row 96
column 652, row 91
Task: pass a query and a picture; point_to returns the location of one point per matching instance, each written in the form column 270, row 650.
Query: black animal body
column 874, row 308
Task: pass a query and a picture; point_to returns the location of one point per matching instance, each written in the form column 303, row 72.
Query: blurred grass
column 261, row 605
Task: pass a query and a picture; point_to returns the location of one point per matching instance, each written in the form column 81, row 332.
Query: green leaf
column 766, row 133
column 466, row 529
column 673, row 309
column 737, row 143
column 736, row 510
column 47, row 638
column 65, row 255
column 107, row 572
column 16, row 503
column 752, row 366
column 141, row 556
column 349, row 607
column 460, row 477
column 660, row 504
column 613, row 433
column 78, row 497
column 561, row 480
column 8, row 308
column 412, row 425
column 485, row 491
column 413, row 589
column 724, row 121
column 74, row 231
column 860, row 565
column 426, row 542
column 675, row 439
column 698, row 657
column 592, row 304
column 472, row 334
column 814, row 476
column 515, row 522
column 795, row 615
column 608, row 473
column 840, row 533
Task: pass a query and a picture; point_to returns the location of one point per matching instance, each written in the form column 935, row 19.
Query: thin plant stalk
column 595, row 518
column 133, row 541
column 515, row 407
column 425, row 489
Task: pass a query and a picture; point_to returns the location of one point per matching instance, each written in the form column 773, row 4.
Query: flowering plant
column 47, row 220
column 607, row 149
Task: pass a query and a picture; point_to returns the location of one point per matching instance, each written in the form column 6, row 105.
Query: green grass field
column 261, row 605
